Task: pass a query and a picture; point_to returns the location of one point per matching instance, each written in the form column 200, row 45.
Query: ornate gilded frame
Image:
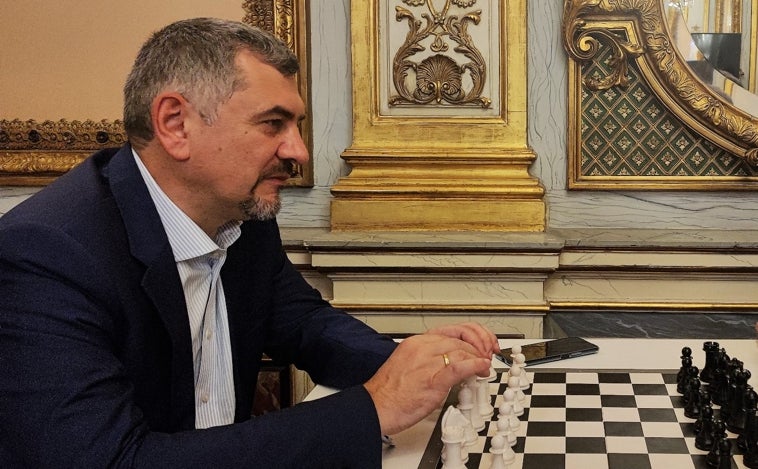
column 35, row 153
column 637, row 31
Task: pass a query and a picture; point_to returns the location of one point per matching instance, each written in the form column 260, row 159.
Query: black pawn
column 704, row 429
column 737, row 417
column 721, row 447
column 683, row 374
column 688, row 382
column 748, row 437
column 712, row 350
column 748, row 441
column 693, row 401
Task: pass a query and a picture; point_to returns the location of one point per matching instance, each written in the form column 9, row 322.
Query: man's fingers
column 459, row 370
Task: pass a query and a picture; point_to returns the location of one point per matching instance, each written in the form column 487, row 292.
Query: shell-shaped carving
column 439, row 76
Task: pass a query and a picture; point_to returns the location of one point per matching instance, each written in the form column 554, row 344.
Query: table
column 614, row 354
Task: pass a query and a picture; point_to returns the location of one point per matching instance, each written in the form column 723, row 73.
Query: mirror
column 715, row 38
column 655, row 34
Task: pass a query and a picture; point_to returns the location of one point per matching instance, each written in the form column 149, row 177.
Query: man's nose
column 293, row 147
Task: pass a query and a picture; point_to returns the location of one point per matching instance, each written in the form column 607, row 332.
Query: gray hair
column 196, row 58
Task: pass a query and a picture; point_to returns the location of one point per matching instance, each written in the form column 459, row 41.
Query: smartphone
column 551, row 350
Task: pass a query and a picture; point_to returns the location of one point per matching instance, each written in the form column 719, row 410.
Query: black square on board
column 542, row 461
column 614, row 378
column 629, row 461
column 657, row 415
column 662, row 445
column 584, row 415
column 669, row 378
column 650, row 389
column 548, row 401
column 688, row 429
column 623, row 428
column 618, row 401
column 585, row 444
column 546, row 429
column 549, row 377
column 582, row 389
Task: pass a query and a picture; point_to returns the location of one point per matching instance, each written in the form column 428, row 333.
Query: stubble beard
column 256, row 208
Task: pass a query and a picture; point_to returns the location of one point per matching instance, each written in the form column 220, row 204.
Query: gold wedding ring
column 446, row 358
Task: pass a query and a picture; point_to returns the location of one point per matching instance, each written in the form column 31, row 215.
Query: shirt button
column 204, row 398
column 208, row 335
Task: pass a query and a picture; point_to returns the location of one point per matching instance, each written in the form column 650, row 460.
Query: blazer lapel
column 149, row 243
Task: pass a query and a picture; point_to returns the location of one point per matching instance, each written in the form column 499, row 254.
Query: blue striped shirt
column 199, row 260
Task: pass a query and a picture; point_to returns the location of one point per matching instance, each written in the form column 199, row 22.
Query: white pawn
column 466, row 406
column 505, row 411
column 513, row 383
column 510, row 396
column 503, row 425
column 452, row 437
column 520, row 360
column 502, row 454
column 515, row 350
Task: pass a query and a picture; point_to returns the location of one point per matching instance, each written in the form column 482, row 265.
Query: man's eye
column 275, row 123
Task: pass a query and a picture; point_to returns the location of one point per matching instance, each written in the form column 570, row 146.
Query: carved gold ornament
column 438, row 78
column 637, row 30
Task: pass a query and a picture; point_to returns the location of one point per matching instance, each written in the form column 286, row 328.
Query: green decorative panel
column 628, row 136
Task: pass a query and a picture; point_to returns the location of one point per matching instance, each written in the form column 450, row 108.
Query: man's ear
column 169, row 113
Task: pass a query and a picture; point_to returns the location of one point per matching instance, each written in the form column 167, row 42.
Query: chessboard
column 594, row 418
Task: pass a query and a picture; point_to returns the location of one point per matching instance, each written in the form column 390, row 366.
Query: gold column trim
column 429, row 173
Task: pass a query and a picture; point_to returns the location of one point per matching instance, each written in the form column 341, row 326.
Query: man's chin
column 261, row 209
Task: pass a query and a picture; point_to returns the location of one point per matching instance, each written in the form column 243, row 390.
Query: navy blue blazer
column 95, row 350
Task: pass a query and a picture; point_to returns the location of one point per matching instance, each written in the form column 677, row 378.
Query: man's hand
column 416, row 378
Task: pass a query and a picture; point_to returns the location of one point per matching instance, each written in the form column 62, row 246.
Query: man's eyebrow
column 281, row 111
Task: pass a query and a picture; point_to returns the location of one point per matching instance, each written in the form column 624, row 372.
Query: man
column 140, row 290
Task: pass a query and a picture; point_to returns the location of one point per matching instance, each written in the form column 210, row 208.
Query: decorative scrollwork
column 587, row 22
column 439, row 78
column 60, row 135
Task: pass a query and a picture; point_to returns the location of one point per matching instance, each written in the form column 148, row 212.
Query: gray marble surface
column 553, row 239
column 652, row 325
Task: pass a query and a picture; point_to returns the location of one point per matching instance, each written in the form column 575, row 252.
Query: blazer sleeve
column 66, row 400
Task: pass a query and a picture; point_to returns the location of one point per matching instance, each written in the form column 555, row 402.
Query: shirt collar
column 186, row 238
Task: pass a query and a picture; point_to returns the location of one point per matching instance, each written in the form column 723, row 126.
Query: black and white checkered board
column 593, row 419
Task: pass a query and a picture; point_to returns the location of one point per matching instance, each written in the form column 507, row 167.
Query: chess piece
column 748, row 440
column 736, row 421
column 524, row 378
column 705, row 401
column 683, row 375
column 720, row 446
column 466, row 406
column 503, row 425
column 514, row 384
column 483, row 398
column 506, row 411
column 712, row 350
column 502, row 454
column 687, row 383
column 692, row 398
column 509, row 395
column 684, row 369
column 704, row 429
column 750, row 431
column 453, row 417
column 452, row 437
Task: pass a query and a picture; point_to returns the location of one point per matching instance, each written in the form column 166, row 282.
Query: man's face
column 241, row 161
